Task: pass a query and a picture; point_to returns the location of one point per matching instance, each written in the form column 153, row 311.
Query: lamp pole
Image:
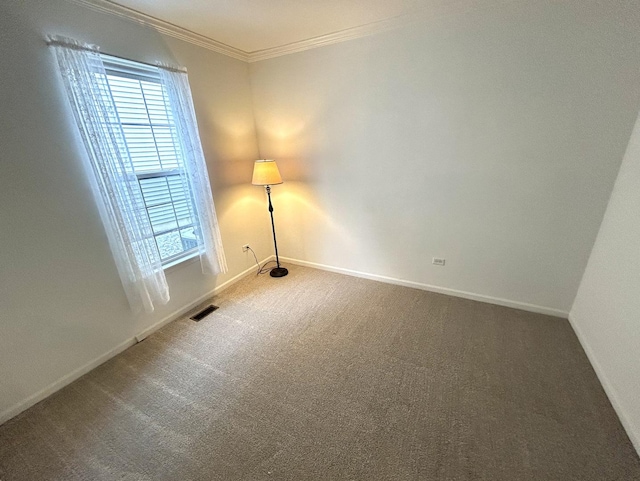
column 276, row 271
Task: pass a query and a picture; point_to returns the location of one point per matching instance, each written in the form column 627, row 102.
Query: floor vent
column 203, row 313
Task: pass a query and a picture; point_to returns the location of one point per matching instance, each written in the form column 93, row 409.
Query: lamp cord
column 261, row 269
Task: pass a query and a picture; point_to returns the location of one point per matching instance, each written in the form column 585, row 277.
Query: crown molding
column 334, row 37
column 172, row 30
column 459, row 7
column 166, row 28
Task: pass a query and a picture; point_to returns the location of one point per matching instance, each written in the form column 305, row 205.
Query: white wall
column 61, row 301
column 606, row 311
column 491, row 139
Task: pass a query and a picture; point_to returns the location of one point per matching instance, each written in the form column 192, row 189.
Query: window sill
column 181, row 262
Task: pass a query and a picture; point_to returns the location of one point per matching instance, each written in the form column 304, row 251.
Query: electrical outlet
column 436, row 261
column 245, row 248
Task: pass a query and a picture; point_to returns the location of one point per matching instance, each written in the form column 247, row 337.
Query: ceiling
column 254, row 25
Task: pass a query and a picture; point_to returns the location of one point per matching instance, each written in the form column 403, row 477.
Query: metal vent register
column 203, row 313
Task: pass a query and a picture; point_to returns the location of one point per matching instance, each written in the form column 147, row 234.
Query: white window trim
column 130, row 69
column 189, row 257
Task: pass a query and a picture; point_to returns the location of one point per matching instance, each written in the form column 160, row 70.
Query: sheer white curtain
column 197, row 182
column 116, row 189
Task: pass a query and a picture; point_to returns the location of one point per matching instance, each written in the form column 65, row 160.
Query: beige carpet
column 319, row 376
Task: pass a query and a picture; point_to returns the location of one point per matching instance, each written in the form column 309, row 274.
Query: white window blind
column 147, row 137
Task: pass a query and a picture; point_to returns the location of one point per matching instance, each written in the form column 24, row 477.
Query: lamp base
column 278, row 272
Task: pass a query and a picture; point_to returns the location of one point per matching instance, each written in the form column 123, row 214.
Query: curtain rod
column 72, row 44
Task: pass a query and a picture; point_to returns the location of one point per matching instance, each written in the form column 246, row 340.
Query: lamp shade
column 265, row 172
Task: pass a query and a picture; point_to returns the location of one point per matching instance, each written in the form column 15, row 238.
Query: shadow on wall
column 239, row 202
column 229, row 148
column 288, row 135
column 297, row 206
column 326, row 211
column 312, row 223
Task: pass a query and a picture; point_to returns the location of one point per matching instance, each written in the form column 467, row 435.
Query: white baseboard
column 632, row 431
column 440, row 290
column 184, row 309
column 63, row 381
column 81, row 371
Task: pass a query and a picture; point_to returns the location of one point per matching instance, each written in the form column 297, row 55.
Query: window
column 148, row 138
column 145, row 165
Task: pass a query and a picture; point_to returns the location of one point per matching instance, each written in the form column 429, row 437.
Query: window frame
column 119, row 67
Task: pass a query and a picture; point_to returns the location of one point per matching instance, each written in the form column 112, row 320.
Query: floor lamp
column 266, row 173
